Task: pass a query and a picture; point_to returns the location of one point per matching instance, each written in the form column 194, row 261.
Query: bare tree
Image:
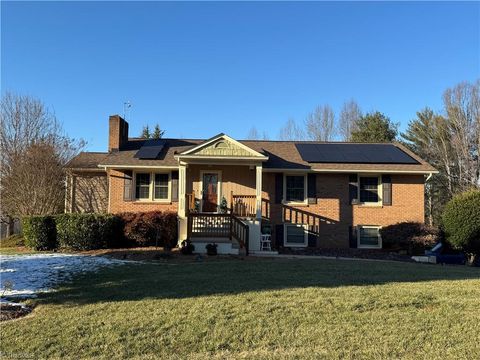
column 320, row 124
column 462, row 107
column 265, row 136
column 253, row 134
column 291, row 131
column 349, row 116
column 34, row 151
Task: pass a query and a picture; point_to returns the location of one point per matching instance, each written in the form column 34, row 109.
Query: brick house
column 301, row 193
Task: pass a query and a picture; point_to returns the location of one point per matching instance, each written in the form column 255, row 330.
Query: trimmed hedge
column 88, row 231
column 150, row 228
column 98, row 231
column 39, row 232
column 461, row 222
column 414, row 237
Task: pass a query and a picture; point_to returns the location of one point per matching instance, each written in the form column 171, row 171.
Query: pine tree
column 145, row 133
column 374, row 127
column 157, row 132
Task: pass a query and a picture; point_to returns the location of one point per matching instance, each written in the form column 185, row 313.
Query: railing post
column 231, row 225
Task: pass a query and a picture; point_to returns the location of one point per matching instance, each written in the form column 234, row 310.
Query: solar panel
column 354, row 153
column 150, row 149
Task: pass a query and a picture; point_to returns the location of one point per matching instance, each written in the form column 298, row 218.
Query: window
column 295, row 188
column 369, row 237
column 152, row 186
column 142, row 186
column 295, row 235
column 161, row 187
column 369, row 189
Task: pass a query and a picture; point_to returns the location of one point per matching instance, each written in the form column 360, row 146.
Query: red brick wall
column 337, row 213
column 117, row 204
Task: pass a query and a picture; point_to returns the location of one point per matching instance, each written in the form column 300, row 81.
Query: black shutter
column 312, row 239
column 128, row 186
column 174, row 186
column 352, row 236
column 278, row 188
column 279, row 235
column 353, row 188
column 312, row 188
column 387, row 190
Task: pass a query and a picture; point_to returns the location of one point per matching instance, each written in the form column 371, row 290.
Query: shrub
column 150, row 228
column 461, row 222
column 39, row 232
column 414, row 237
column 88, row 231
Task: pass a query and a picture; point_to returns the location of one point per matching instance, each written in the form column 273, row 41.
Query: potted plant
column 187, row 247
column 211, row 249
column 223, row 206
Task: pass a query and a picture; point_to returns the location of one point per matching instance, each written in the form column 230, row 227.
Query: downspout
column 428, row 177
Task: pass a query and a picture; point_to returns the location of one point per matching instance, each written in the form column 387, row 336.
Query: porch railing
column 202, row 225
column 190, row 202
column 246, row 206
column 298, row 216
column 240, row 231
column 208, row 225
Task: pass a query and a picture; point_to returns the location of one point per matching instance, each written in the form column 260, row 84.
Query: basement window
column 295, row 235
column 369, row 237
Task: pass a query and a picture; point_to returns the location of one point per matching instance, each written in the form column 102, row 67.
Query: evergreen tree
column 145, row 133
column 374, row 127
column 157, row 132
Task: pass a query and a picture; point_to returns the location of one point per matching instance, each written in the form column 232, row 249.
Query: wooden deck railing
column 209, row 225
column 190, row 202
column 243, row 205
column 298, row 216
column 246, row 206
column 202, row 225
column 240, row 231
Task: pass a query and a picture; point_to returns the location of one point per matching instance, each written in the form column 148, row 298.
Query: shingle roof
column 281, row 155
column 87, row 160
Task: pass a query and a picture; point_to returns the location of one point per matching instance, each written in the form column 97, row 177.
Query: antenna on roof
column 126, row 105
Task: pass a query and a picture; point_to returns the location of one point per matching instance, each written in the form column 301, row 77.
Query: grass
column 257, row 308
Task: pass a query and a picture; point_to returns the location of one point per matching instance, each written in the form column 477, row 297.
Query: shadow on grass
column 175, row 281
column 230, row 276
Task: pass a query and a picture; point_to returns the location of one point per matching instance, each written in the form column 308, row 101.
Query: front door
column 210, row 192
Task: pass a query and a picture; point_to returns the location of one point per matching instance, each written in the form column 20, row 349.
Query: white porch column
column 182, row 188
column 258, row 190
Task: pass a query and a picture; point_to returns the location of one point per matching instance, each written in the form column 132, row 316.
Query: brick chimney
column 117, row 133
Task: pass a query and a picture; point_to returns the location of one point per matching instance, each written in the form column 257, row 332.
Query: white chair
column 266, row 242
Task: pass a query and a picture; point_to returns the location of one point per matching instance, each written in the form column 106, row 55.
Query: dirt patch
column 10, row 311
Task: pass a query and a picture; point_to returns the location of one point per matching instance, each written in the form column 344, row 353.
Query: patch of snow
column 29, row 275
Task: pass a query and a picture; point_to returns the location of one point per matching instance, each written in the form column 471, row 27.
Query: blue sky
column 203, row 68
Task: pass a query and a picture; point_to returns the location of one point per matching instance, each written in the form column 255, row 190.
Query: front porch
column 221, row 199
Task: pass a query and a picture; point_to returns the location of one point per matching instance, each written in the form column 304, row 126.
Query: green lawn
column 257, row 309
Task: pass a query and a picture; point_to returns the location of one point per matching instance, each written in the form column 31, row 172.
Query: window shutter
column 312, row 188
column 174, row 186
column 352, row 236
column 128, row 186
column 387, row 190
column 278, row 188
column 353, row 188
column 312, row 239
column 279, row 235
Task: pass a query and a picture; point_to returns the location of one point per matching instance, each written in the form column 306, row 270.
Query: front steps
column 225, row 246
